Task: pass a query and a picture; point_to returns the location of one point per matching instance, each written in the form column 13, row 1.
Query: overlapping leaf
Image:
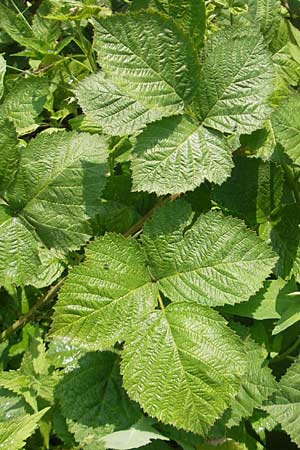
column 183, row 365
column 9, row 153
column 216, row 261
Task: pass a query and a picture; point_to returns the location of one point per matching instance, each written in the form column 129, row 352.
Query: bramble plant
column 149, row 224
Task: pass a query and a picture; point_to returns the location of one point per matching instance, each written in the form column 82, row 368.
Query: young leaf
column 216, row 261
column 117, row 113
column 183, row 365
column 285, row 404
column 104, row 297
column 177, row 154
column 148, row 57
column 235, row 83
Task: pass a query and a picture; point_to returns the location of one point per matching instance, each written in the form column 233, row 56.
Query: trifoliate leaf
column 190, row 14
column 177, row 154
column 235, row 82
column 117, row 113
column 24, row 102
column 286, row 125
column 106, row 295
column 148, row 57
column 285, row 404
column 93, row 397
column 13, row 433
column 183, row 365
column 216, row 261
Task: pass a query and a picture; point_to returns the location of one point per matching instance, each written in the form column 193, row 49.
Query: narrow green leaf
column 9, row 153
column 176, row 155
column 183, row 365
column 104, row 297
column 2, row 73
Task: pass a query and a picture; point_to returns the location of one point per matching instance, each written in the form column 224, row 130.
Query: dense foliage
column 149, row 224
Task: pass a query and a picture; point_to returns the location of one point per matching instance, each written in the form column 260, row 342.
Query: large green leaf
column 183, row 365
column 13, row 433
column 190, row 14
column 177, row 154
column 286, row 125
column 117, row 113
column 235, row 83
column 148, row 56
column 56, row 191
column 285, row 405
column 216, row 261
column 24, row 102
column 104, row 297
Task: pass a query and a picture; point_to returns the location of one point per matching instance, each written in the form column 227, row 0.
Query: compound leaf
column 216, row 261
column 176, row 154
column 106, row 295
column 183, row 365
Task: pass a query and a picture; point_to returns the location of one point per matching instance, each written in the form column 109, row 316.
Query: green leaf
column 149, row 58
column 176, row 155
column 11, row 406
column 2, row 73
column 266, row 13
column 117, row 113
column 268, row 303
column 286, row 125
column 190, row 15
column 216, row 261
column 236, row 81
column 24, row 102
column 56, row 191
column 139, row 434
column 183, row 365
column 257, row 386
column 93, row 397
column 9, row 153
column 289, row 316
column 13, row 433
column 285, row 404
column 106, row 295
column 253, row 191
